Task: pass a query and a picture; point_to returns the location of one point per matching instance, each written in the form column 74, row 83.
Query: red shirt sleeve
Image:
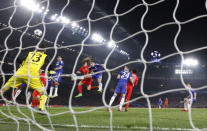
column 136, row 81
column 81, row 69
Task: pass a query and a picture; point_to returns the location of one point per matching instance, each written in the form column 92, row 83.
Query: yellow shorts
column 35, row 83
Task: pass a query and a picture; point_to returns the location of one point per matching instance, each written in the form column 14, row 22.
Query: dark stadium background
column 159, row 77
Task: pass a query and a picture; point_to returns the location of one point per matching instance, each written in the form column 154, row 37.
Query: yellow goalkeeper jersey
column 33, row 64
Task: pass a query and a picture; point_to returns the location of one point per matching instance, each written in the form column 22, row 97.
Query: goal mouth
column 110, row 35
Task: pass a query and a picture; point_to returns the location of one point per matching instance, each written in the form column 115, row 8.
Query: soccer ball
column 38, row 32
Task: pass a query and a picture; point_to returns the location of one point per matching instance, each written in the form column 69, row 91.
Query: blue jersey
column 160, row 102
column 124, row 76
column 58, row 64
column 96, row 68
column 193, row 93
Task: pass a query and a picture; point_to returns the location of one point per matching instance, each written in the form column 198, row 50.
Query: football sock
column 112, row 100
column 80, row 89
column 43, row 100
column 33, row 103
column 94, row 87
column 122, row 102
column 56, row 90
column 100, row 86
column 17, row 94
column 185, row 106
column 51, row 91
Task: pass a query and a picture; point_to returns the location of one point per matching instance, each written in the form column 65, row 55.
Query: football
column 38, row 32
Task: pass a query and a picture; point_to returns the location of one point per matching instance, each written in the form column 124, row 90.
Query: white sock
column 185, row 106
column 17, row 93
column 121, row 102
column 51, row 90
column 56, row 90
column 189, row 106
column 100, row 86
column 112, row 100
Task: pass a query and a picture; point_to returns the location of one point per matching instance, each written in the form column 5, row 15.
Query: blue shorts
column 58, row 77
column 97, row 76
column 189, row 99
column 121, row 88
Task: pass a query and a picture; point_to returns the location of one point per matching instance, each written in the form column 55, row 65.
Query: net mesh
column 32, row 120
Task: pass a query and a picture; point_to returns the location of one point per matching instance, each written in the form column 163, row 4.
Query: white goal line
column 114, row 127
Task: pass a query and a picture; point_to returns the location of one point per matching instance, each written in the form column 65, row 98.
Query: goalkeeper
column 29, row 73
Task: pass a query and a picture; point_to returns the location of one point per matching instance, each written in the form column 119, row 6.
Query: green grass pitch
column 134, row 119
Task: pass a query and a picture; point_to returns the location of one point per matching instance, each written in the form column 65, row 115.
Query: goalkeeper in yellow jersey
column 29, row 73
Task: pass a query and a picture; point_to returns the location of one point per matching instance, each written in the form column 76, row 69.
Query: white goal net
column 37, row 21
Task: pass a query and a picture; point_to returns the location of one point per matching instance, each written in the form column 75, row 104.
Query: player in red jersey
column 166, row 103
column 36, row 95
column 130, row 88
column 87, row 80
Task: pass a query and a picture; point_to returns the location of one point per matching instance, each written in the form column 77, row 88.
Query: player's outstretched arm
column 78, row 72
column 132, row 81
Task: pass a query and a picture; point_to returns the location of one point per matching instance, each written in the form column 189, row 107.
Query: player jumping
column 59, row 71
column 130, row 88
column 188, row 100
column 123, row 77
column 96, row 68
column 31, row 67
column 86, row 81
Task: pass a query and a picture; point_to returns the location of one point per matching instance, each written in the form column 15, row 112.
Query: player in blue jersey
column 59, row 71
column 124, row 76
column 160, row 103
column 190, row 99
column 94, row 68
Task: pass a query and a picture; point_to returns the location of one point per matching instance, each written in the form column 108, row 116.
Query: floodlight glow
column 74, row 25
column 53, row 17
column 30, row 4
column 64, row 20
column 190, row 62
column 178, row 71
column 111, row 44
column 97, row 37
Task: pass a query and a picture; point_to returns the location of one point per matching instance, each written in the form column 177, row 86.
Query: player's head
column 41, row 48
column 134, row 71
column 92, row 63
column 86, row 61
column 59, row 58
column 126, row 68
column 189, row 85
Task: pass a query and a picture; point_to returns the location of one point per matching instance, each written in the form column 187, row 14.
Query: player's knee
column 89, row 87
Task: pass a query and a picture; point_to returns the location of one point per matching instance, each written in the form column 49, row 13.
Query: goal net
column 115, row 34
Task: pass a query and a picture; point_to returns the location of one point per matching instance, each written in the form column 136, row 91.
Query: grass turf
column 134, row 119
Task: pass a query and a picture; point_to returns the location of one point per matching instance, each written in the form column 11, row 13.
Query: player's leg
column 10, row 84
column 99, row 78
column 117, row 90
column 35, row 99
column 80, row 89
column 18, row 91
column 128, row 96
column 185, row 104
column 59, row 80
column 36, row 84
column 51, row 91
column 123, row 92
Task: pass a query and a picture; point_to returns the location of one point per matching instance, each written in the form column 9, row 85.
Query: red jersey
column 84, row 69
column 42, row 78
column 135, row 79
column 166, row 101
